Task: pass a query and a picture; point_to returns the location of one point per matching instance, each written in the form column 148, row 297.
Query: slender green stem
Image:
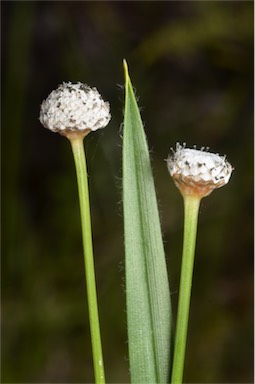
column 191, row 208
column 81, row 171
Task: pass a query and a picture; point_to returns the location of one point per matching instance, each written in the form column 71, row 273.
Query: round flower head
column 74, row 108
column 196, row 172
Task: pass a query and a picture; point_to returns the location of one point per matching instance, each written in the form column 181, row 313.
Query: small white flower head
column 198, row 172
column 74, row 109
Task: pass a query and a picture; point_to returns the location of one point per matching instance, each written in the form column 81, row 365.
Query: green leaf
column 147, row 289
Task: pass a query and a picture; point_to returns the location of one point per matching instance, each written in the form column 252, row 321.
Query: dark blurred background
column 192, row 66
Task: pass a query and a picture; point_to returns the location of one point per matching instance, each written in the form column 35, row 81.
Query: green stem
column 191, row 208
column 81, row 171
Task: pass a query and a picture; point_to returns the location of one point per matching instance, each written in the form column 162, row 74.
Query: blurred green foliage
column 192, row 65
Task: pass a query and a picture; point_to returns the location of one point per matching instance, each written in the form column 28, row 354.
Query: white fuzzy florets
column 197, row 171
column 74, row 107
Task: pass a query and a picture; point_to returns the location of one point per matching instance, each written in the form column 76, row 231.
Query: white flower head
column 74, row 108
column 198, row 172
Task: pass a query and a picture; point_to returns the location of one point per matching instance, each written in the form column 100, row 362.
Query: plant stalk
column 191, row 209
column 82, row 179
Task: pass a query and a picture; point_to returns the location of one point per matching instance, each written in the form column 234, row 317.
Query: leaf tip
column 125, row 66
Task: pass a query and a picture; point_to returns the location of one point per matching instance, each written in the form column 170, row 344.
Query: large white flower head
column 74, row 108
column 198, row 172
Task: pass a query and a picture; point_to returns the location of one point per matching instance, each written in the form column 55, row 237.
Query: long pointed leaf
column 147, row 289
